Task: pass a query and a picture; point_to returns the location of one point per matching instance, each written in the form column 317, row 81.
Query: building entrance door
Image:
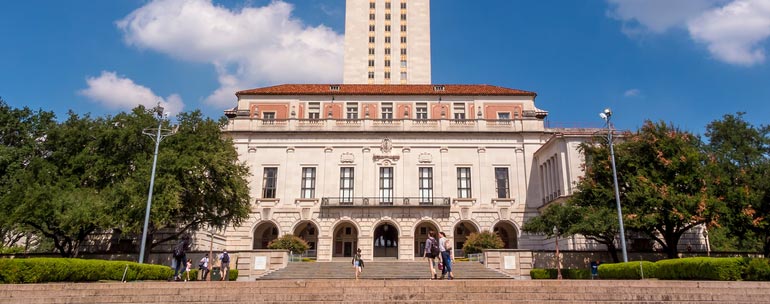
column 386, row 241
column 345, row 240
column 420, row 235
column 348, row 249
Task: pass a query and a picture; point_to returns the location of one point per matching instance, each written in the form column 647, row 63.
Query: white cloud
column 250, row 47
column 732, row 30
column 116, row 92
column 632, row 93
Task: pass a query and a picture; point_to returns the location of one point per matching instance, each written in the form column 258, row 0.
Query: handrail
column 384, row 201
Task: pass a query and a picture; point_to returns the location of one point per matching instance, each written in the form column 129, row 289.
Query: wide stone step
column 379, row 270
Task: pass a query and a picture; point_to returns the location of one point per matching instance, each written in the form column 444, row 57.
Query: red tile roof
column 387, row 89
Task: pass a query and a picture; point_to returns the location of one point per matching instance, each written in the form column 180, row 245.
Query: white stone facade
column 482, row 146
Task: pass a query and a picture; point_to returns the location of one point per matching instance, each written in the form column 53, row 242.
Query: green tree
column 289, row 242
column 740, row 154
column 666, row 185
column 476, row 242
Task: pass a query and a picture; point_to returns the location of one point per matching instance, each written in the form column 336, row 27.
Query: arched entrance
column 463, row 229
column 420, row 235
column 345, row 240
column 264, row 234
column 308, row 232
column 508, row 234
column 386, row 241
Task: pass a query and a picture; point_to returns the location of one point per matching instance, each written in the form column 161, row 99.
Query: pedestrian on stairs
column 448, row 256
column 358, row 263
column 431, row 252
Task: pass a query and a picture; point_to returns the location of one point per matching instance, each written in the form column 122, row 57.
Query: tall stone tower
column 387, row 42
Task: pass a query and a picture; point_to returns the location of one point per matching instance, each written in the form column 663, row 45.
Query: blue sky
column 682, row 61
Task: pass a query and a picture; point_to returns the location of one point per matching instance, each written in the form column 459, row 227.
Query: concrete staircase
column 391, row 291
column 379, row 270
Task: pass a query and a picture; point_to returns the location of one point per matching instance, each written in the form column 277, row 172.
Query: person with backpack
column 431, row 252
column 358, row 263
column 203, row 267
column 225, row 267
column 180, row 258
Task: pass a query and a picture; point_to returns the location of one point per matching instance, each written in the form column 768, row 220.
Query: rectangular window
column 403, row 51
column 403, row 75
column 387, row 28
column 371, row 16
column 314, row 110
column 387, row 63
column 268, row 118
column 386, row 185
column 371, row 28
column 308, row 182
column 352, row 110
column 426, row 185
column 387, row 75
column 346, row 185
column 503, row 116
column 387, row 51
column 464, row 182
column 422, row 110
column 501, row 182
column 371, row 39
column 403, row 28
column 387, row 39
column 387, row 110
column 403, row 16
column 387, row 5
column 403, row 5
column 372, row 5
column 269, row 178
column 371, row 75
column 387, row 16
column 403, row 39
column 371, row 63
column 403, row 63
column 371, row 51
column 459, row 111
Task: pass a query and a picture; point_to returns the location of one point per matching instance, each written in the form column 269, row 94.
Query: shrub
column 289, row 242
column 476, row 242
column 756, row 270
column 232, row 275
column 549, row 274
column 722, row 269
column 628, row 271
column 40, row 270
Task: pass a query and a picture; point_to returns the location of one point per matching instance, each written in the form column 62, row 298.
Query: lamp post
column 706, row 236
column 606, row 115
column 159, row 134
column 211, row 252
column 558, row 258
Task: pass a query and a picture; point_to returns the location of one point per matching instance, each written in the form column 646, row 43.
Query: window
column 387, row 75
column 352, row 108
column 371, row 27
column 403, row 28
column 371, row 75
column 504, row 116
column 371, row 51
column 422, row 110
column 346, row 185
column 403, row 16
column 387, row 62
column 371, row 39
column 371, row 63
column 387, row 28
column 387, row 39
column 269, row 178
column 403, row 63
column 403, row 39
column 308, row 182
column 464, row 182
column 426, row 185
column 387, row 5
column 387, row 16
column 371, row 5
column 403, row 75
column 268, row 118
column 387, row 51
column 386, row 185
column 314, row 110
column 403, row 51
column 387, row 110
column 403, row 5
column 501, row 182
column 371, row 16
column 459, row 111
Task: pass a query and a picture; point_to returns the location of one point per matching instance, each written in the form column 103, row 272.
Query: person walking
column 442, row 250
column 431, row 252
column 448, row 256
column 187, row 269
column 180, row 256
column 358, row 263
column 225, row 268
column 203, row 267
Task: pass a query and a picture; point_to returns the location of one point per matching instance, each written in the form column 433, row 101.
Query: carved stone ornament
column 252, row 149
column 425, row 158
column 386, row 145
column 347, row 158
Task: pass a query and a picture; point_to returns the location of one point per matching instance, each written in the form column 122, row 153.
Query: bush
column 476, row 242
column 552, row 274
column 41, row 270
column 627, row 271
column 722, row 269
column 756, row 270
column 289, row 242
column 232, row 275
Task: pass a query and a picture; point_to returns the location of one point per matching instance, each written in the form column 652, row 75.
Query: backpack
column 225, row 258
column 433, row 250
column 177, row 252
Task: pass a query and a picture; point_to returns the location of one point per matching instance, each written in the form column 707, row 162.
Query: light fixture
column 606, row 115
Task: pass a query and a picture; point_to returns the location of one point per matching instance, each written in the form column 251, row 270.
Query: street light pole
column 606, row 115
column 158, row 110
column 558, row 258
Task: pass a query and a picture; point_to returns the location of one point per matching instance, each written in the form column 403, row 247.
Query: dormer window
column 438, row 88
column 334, row 88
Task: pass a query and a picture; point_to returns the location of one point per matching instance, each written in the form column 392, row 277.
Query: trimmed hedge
column 552, row 274
column 720, row 269
column 756, row 270
column 232, row 275
column 628, row 271
column 41, row 270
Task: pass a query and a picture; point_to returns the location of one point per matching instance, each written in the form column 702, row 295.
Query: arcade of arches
column 386, row 237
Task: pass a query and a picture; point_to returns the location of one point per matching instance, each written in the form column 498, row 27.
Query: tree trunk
column 613, row 252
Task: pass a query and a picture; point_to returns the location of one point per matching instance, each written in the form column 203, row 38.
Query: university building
column 379, row 160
